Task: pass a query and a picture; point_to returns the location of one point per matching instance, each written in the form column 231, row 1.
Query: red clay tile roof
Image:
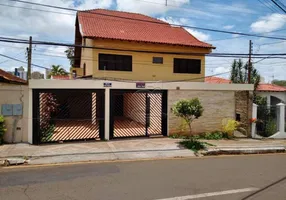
column 109, row 24
column 7, row 77
column 271, row 87
column 214, row 79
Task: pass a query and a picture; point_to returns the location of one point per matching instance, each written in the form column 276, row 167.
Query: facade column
column 107, row 114
column 281, row 117
column 268, row 100
column 254, row 116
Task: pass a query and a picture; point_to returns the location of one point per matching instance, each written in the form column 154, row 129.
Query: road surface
column 252, row 177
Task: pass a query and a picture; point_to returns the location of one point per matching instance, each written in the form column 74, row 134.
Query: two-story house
column 135, row 68
column 131, row 46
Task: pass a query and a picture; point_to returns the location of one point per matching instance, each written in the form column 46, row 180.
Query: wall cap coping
column 98, row 84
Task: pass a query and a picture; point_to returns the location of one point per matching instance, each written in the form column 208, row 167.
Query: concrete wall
column 87, row 57
column 17, row 126
column 214, row 97
column 142, row 67
column 217, row 106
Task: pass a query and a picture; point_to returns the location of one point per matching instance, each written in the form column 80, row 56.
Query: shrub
column 189, row 110
column 229, row 126
column 270, row 127
column 194, row 144
column 2, row 129
column 213, row 135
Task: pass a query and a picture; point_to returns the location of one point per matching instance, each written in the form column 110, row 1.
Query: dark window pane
column 190, row 66
column 114, row 62
column 158, row 60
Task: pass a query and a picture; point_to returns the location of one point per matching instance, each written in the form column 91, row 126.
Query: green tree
column 70, row 55
column 57, row 70
column 239, row 73
column 2, row 129
column 189, row 110
column 279, row 82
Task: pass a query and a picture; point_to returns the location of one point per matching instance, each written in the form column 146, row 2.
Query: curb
column 237, row 151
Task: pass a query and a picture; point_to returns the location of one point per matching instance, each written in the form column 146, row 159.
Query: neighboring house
column 8, row 78
column 37, row 75
column 125, row 46
column 213, row 79
column 274, row 93
column 14, row 106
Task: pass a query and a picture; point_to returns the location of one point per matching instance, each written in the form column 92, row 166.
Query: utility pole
column 29, row 52
column 166, row 4
column 249, row 61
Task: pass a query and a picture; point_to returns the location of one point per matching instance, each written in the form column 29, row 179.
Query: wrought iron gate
column 66, row 115
column 135, row 113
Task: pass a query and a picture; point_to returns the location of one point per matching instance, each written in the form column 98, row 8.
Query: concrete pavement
column 254, row 177
column 128, row 149
column 133, row 149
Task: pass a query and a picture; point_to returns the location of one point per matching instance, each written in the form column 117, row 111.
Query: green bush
column 216, row 135
column 194, row 144
column 270, row 127
column 2, row 129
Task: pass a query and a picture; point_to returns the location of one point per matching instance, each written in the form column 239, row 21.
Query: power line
column 281, row 3
column 232, row 38
column 284, row 10
column 22, row 61
column 14, row 40
column 154, row 22
column 36, row 9
column 267, row 6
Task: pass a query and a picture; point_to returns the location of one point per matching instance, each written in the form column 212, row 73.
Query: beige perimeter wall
column 17, row 126
column 217, row 106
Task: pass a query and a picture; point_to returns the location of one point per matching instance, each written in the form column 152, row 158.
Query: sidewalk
column 129, row 149
column 245, row 146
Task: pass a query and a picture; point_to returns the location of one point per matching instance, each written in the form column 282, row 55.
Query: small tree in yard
column 2, row 129
column 189, row 110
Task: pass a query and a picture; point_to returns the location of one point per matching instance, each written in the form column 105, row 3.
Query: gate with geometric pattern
column 67, row 115
column 138, row 113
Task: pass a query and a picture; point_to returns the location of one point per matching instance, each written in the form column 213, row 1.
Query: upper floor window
column 188, row 66
column 158, row 60
column 114, row 62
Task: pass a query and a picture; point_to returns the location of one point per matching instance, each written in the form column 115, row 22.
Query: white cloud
column 181, row 21
column 149, row 7
column 199, row 35
column 240, row 8
column 269, row 23
column 228, row 27
column 91, row 4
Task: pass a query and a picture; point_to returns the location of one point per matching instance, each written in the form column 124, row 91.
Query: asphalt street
column 250, row 177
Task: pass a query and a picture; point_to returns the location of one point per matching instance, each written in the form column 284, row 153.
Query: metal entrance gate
column 66, row 115
column 138, row 113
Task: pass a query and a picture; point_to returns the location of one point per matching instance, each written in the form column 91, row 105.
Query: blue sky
column 252, row 16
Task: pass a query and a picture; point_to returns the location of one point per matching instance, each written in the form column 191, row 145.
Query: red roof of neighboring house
column 271, row 87
column 214, row 79
column 110, row 24
column 7, row 77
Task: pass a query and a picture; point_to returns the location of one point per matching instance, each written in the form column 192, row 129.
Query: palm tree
column 57, row 70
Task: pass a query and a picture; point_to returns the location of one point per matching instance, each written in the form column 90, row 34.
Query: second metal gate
column 135, row 113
